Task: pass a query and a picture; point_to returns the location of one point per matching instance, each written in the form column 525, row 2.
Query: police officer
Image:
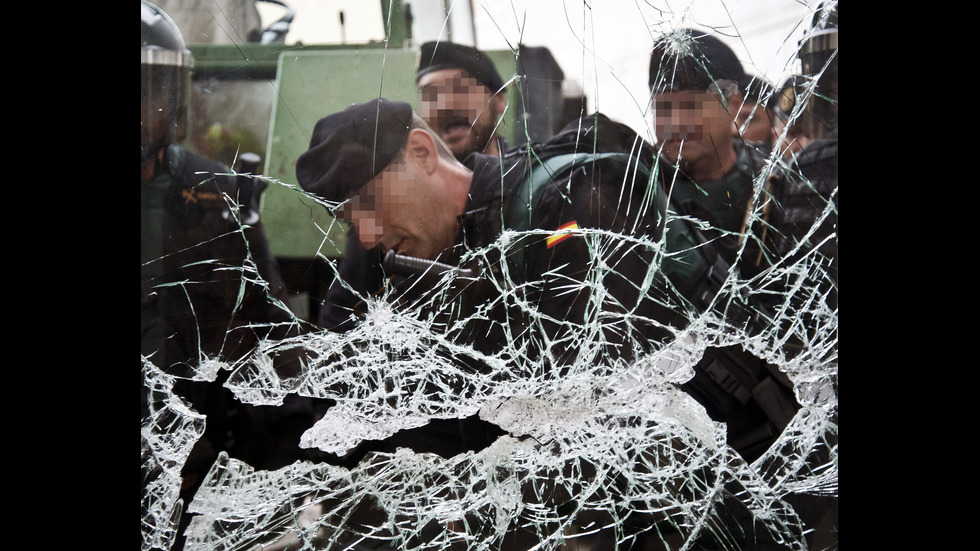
column 199, row 225
column 696, row 94
column 545, row 294
column 209, row 286
column 461, row 97
column 754, row 119
column 407, row 194
column 804, row 198
column 819, row 60
column 788, row 118
column 799, row 225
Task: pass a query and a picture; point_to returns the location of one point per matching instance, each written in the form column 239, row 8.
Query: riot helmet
column 818, row 57
column 792, row 120
column 165, row 65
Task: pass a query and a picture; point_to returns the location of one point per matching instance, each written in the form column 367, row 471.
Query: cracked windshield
column 474, row 274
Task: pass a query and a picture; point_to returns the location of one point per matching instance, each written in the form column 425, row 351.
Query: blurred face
column 690, row 125
column 459, row 109
column 754, row 122
column 402, row 210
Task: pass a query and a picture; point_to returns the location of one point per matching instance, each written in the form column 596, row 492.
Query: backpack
column 601, row 138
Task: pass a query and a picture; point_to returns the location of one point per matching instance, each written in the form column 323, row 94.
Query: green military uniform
column 726, row 199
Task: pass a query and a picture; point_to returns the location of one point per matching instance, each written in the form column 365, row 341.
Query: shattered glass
column 605, row 440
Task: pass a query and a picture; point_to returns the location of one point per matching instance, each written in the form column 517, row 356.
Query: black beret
column 351, row 147
column 435, row 56
column 693, row 62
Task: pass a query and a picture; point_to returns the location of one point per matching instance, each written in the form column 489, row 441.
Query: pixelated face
column 698, row 122
column 754, row 122
column 401, row 210
column 459, row 109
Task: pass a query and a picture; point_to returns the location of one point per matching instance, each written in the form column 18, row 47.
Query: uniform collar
column 480, row 223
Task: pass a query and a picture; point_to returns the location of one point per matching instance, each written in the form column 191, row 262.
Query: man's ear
column 421, row 149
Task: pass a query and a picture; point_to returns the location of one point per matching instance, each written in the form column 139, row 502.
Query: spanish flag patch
column 562, row 233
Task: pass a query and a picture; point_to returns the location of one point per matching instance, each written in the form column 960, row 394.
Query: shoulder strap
column 519, row 208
